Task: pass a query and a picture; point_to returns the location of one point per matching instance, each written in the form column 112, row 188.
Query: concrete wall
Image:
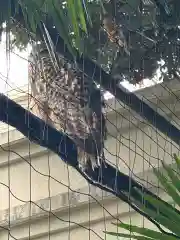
column 40, row 196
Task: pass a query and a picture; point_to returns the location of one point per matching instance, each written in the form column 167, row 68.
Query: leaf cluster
column 150, row 27
column 164, row 214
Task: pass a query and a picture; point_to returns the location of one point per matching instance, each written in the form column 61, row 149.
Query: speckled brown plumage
column 69, row 101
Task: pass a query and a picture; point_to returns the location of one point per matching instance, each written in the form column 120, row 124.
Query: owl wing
column 39, row 103
column 74, row 101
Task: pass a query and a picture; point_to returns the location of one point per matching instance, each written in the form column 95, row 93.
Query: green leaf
column 168, row 187
column 131, row 236
column 86, row 9
column 145, row 231
column 174, row 228
column 173, row 177
column 74, row 20
column 61, row 25
column 162, row 207
column 34, row 13
column 158, row 216
column 163, row 213
column 177, row 159
column 81, row 15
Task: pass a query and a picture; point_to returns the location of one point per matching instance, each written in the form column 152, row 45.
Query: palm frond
column 69, row 17
column 165, row 214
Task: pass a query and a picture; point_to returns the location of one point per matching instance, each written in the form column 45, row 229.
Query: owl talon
column 82, row 167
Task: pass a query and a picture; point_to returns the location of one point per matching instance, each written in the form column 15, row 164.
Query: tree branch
column 107, row 178
column 96, row 73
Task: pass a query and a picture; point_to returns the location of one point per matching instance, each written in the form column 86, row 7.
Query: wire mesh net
column 44, row 198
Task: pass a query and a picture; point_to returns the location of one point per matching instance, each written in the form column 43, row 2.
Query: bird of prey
column 70, row 102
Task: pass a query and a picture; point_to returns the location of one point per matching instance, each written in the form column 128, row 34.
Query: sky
column 14, row 71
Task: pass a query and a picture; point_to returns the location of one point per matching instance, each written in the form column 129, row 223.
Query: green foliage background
column 151, row 31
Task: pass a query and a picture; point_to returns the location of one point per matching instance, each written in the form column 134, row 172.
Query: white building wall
column 35, row 182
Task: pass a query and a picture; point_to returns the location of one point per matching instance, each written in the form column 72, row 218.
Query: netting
column 43, row 197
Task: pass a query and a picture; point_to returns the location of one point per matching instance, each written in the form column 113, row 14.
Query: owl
column 66, row 99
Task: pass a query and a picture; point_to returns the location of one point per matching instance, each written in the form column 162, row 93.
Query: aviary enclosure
column 44, row 193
